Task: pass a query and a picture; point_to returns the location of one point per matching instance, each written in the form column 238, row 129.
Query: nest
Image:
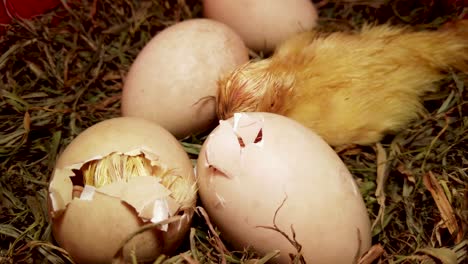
column 63, row 72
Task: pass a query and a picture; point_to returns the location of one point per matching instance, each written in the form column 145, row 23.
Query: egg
column 258, row 170
column 263, row 24
column 173, row 80
column 114, row 178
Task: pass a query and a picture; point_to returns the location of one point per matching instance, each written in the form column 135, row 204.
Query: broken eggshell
column 92, row 221
column 254, row 164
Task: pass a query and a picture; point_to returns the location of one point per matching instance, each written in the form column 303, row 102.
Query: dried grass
column 58, row 78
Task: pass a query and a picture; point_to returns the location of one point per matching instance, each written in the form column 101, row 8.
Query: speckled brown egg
column 173, row 80
column 114, row 178
column 256, row 170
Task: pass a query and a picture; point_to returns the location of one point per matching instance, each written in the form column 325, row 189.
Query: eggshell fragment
column 255, row 164
column 263, row 24
column 173, row 80
column 92, row 222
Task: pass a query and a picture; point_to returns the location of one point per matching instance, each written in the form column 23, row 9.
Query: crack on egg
column 241, row 142
column 213, row 169
column 220, row 201
column 248, row 130
column 357, row 255
column 225, row 147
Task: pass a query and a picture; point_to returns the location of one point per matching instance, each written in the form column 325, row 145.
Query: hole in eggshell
column 248, row 129
column 230, row 141
column 118, row 167
column 77, row 179
column 258, row 139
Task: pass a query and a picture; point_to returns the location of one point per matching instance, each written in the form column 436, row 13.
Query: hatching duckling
column 349, row 87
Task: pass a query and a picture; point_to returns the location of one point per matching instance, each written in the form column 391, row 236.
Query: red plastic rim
column 24, row 9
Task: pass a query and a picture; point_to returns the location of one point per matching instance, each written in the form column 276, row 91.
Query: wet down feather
column 349, row 87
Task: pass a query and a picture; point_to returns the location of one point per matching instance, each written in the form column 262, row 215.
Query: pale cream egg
column 173, row 80
column 256, row 170
column 263, row 24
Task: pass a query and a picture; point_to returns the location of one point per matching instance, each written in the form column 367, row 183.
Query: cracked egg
column 113, row 179
column 269, row 183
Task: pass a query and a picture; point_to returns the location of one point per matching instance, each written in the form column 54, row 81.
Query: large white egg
column 263, row 24
column 252, row 163
column 173, row 80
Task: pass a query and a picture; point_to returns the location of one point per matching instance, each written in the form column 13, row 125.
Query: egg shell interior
column 242, row 187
